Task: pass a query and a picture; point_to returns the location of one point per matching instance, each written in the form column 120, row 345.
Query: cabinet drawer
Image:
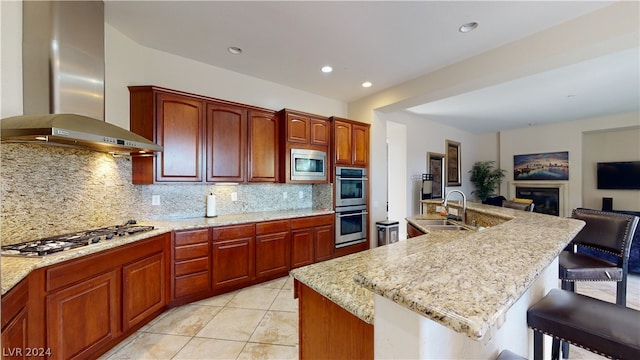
column 311, row 221
column 191, row 251
column 191, row 284
column 272, row 227
column 192, row 266
column 232, row 232
column 191, row 237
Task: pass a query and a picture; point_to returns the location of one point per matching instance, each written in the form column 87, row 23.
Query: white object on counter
column 211, row 206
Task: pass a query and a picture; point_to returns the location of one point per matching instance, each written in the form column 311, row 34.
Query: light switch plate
column 453, row 211
column 440, row 209
column 234, row 196
column 155, row 200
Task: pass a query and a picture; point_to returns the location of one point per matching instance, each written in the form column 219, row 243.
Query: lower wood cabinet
column 312, row 239
column 143, row 289
column 83, row 317
column 91, row 303
column 15, row 322
column 273, row 249
column 233, row 256
column 191, row 266
column 413, row 231
column 328, row 329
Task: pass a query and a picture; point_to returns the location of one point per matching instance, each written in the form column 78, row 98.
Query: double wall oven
column 351, row 206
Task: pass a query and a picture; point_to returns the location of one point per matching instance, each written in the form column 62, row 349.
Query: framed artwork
column 454, row 173
column 435, row 167
column 544, row 166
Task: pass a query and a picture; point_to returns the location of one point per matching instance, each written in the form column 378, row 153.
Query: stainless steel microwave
column 308, row 165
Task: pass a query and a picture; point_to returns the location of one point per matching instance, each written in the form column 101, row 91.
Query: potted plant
column 485, row 178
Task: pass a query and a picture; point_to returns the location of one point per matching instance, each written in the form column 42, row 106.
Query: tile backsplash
column 47, row 190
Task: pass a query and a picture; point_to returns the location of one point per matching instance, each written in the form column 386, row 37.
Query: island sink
column 436, row 224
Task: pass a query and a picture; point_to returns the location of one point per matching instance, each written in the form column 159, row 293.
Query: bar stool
column 598, row 326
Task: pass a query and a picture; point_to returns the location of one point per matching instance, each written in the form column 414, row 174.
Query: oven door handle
column 352, row 178
column 352, row 214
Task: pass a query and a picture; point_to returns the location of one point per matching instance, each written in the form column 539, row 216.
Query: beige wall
column 567, row 136
column 604, row 146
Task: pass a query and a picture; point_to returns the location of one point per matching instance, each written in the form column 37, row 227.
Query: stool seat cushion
column 593, row 324
column 508, row 355
column 582, row 267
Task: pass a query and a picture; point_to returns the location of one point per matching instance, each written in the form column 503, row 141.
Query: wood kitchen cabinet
column 225, row 141
column 233, row 256
column 191, row 258
column 312, row 239
column 301, row 130
column 93, row 302
column 328, row 329
column 263, row 146
column 15, row 322
column 351, row 142
column 273, row 249
column 413, row 231
column 176, row 122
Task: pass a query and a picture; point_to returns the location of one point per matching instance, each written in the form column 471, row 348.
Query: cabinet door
column 143, row 289
column 179, row 130
column 83, row 317
column 14, row 322
column 319, row 132
column 233, row 262
column 343, row 149
column 272, row 254
column 324, row 242
column 298, row 129
column 360, row 137
column 301, row 247
column 14, row 337
column 226, row 143
column 263, row 147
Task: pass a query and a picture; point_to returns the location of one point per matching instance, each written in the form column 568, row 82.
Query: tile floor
column 261, row 322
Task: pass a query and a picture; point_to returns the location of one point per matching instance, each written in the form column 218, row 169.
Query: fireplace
column 550, row 197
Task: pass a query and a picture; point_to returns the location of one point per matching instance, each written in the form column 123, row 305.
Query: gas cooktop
column 74, row 240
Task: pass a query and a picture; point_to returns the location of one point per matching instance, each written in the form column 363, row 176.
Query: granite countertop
column 464, row 280
column 14, row 269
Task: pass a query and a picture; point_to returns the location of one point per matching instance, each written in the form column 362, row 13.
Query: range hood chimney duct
column 63, row 81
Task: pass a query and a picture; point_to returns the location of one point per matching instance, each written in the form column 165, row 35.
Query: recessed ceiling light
column 465, row 28
column 326, row 69
column 366, row 84
column 234, row 50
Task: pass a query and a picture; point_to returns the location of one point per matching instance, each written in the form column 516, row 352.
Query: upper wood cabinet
column 263, row 146
column 306, row 129
column 300, row 130
column 351, row 142
column 224, row 141
column 174, row 121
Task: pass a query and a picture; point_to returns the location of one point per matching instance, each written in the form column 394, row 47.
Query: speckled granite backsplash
column 48, row 190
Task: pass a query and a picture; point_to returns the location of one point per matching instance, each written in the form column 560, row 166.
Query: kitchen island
column 448, row 294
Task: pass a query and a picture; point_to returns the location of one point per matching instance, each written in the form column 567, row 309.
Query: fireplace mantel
column 562, row 186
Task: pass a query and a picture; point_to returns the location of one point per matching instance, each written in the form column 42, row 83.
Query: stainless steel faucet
column 464, row 203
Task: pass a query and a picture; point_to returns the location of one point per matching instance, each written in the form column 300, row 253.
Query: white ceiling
column 388, row 43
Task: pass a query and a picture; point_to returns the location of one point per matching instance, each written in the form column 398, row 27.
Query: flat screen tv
column 619, row 175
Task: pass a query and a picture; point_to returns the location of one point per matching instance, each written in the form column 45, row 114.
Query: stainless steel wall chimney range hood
column 63, row 81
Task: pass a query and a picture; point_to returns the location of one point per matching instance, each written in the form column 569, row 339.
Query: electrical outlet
column 301, row 194
column 440, row 209
column 453, row 211
column 234, row 196
column 155, row 200
column 285, row 195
